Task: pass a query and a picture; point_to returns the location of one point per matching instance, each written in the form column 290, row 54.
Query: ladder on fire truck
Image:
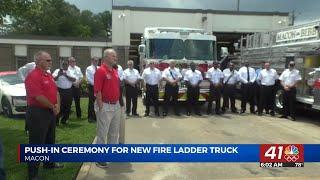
column 274, row 45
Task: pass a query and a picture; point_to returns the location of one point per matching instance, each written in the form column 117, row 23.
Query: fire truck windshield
column 179, row 49
column 166, row 48
column 198, row 49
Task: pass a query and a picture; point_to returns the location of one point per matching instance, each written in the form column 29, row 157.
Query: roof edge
column 135, row 8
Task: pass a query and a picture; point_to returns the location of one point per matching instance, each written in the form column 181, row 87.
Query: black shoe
column 253, row 112
column 135, row 114
column 223, row 111
column 218, row 113
column 102, row 164
column 91, row 120
column 272, row 113
column 53, row 166
column 267, row 112
column 199, row 114
column 63, row 122
column 259, row 114
column 284, row 117
column 234, row 111
column 188, row 114
column 34, row 178
column 209, row 112
column 128, row 114
column 293, row 118
column 177, row 114
column 157, row 114
column 164, row 114
column 146, row 114
column 242, row 111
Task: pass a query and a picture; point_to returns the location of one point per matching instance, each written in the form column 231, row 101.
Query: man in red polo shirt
column 107, row 107
column 43, row 106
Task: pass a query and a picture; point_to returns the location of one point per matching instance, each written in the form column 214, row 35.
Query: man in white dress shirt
column 90, row 79
column 76, row 72
column 289, row 80
column 215, row 77
column 172, row 76
column 151, row 77
column 64, row 80
column 231, row 78
column 247, row 77
column 131, row 78
column 26, row 69
column 193, row 79
column 267, row 78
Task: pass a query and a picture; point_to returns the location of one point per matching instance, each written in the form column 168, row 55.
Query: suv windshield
column 179, row 49
column 10, row 79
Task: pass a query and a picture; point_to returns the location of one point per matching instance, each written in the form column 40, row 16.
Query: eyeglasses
column 48, row 60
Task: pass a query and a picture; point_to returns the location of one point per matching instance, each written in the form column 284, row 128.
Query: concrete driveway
column 228, row 128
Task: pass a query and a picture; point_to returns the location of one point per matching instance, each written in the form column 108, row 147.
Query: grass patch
column 77, row 131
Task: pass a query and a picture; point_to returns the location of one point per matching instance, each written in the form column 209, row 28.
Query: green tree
column 105, row 18
column 59, row 18
column 14, row 7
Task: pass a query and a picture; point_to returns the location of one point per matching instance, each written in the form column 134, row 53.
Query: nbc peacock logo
column 291, row 153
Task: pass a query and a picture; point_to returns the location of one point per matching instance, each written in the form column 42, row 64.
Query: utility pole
column 238, row 5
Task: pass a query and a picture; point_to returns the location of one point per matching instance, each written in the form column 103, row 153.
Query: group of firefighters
column 258, row 88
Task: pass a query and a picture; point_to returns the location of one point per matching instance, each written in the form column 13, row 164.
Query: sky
column 305, row 10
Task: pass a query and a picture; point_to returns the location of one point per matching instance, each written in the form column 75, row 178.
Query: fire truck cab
column 183, row 45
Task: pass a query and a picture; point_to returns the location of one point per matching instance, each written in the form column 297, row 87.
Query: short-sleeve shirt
column 268, row 78
column 289, row 78
column 214, row 75
column 63, row 82
column 106, row 81
column 120, row 72
column 131, row 75
column 90, row 73
column 171, row 74
column 230, row 77
column 39, row 82
column 76, row 73
column 151, row 77
column 243, row 74
column 193, row 77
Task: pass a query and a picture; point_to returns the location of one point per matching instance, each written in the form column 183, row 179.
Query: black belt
column 152, row 85
column 267, row 85
column 39, row 108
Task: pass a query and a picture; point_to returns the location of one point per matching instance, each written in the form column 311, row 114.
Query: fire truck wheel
column 279, row 101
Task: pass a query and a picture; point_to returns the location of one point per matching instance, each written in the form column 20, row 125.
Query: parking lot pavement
column 228, row 128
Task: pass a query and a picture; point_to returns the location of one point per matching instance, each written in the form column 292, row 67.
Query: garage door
column 6, row 58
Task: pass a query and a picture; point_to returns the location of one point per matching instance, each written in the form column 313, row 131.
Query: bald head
column 110, row 57
column 43, row 60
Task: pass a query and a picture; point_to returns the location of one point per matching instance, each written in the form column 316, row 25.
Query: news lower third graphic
column 268, row 155
column 282, row 155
